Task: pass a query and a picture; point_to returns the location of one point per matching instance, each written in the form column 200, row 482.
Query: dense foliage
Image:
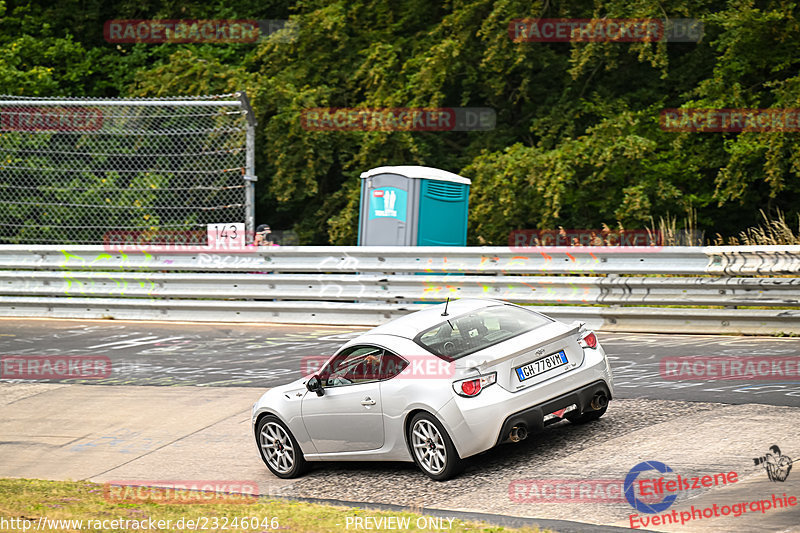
column 577, row 141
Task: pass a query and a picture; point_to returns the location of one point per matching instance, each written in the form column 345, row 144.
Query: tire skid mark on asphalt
column 693, row 438
column 380, row 482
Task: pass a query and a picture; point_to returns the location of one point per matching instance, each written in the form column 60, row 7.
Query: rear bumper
column 533, row 417
column 478, row 424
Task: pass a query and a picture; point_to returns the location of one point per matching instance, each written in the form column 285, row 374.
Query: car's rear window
column 456, row 337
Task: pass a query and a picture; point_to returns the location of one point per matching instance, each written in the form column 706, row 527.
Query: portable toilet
column 413, row 206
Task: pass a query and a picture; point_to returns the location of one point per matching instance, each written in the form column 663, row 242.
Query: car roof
column 409, row 326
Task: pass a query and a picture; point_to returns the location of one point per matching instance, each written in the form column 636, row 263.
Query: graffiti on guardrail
column 225, row 260
column 114, row 269
column 350, row 277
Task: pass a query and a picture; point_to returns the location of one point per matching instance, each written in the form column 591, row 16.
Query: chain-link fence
column 73, row 170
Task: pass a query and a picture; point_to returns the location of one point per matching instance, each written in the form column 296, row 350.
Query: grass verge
column 50, row 505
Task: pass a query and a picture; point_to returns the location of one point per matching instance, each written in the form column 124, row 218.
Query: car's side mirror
column 315, row 385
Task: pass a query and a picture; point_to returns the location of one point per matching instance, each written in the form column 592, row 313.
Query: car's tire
column 432, row 448
column 279, row 449
column 586, row 417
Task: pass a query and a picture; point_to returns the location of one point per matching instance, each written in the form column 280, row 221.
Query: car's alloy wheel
column 432, row 449
column 279, row 449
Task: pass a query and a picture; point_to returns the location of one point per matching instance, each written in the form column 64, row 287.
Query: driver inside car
column 355, row 369
column 472, row 329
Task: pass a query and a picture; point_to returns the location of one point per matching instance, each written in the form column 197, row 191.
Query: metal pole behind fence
column 250, row 167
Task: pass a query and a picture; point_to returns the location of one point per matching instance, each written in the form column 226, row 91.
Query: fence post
column 250, row 168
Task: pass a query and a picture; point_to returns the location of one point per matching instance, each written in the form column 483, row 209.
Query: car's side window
column 357, row 364
column 391, row 365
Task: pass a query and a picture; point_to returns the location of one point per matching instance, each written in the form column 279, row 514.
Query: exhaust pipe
column 518, row 433
column 599, row 401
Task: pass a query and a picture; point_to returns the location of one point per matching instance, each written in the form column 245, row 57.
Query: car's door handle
column 367, row 401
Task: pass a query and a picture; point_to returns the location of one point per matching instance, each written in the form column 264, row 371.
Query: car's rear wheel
column 586, row 417
column 279, row 449
column 432, row 448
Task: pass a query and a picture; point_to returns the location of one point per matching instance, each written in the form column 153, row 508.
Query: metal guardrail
column 721, row 260
column 612, row 287
column 771, row 292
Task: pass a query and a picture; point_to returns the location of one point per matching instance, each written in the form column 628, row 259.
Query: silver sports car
column 435, row 387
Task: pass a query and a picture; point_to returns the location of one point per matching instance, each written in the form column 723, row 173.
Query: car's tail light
column 473, row 386
column 589, row 340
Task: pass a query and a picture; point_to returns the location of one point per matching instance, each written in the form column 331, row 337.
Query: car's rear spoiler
column 574, row 328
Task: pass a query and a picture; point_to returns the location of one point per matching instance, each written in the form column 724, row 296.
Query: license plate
column 541, row 365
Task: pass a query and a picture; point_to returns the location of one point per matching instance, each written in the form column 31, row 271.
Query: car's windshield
column 466, row 334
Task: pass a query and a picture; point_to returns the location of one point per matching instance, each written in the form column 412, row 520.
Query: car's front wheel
column 432, row 448
column 279, row 449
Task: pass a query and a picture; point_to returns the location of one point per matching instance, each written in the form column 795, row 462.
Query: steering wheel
column 337, row 379
column 449, row 347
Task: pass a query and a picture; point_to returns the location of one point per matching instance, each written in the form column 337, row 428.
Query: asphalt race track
column 176, row 406
column 264, row 356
